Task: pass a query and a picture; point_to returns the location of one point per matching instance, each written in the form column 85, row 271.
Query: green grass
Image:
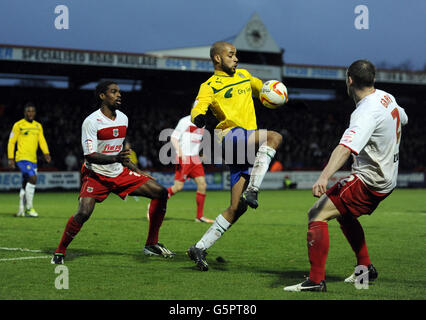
column 265, row 250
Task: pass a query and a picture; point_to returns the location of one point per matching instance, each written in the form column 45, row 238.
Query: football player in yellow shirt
column 28, row 135
column 229, row 95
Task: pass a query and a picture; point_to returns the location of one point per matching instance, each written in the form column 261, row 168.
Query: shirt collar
column 221, row 73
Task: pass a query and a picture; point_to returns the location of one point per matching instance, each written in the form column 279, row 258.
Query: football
column 273, row 94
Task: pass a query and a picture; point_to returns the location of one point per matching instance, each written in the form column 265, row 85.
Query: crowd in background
column 310, row 128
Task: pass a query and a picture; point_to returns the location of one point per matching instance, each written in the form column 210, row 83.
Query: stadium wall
column 70, row 180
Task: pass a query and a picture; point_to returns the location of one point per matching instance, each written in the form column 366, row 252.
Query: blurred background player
column 107, row 168
column 373, row 137
column 229, row 93
column 186, row 140
column 28, row 134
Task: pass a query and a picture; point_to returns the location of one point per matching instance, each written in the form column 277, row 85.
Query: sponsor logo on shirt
column 112, row 148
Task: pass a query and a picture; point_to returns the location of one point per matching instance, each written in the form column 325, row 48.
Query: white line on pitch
column 20, row 249
column 25, row 258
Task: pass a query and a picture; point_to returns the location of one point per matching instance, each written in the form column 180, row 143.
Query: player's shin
column 261, row 164
column 29, row 195
column 157, row 211
column 22, row 200
column 213, row 234
column 71, row 230
column 354, row 233
column 318, row 245
column 200, row 199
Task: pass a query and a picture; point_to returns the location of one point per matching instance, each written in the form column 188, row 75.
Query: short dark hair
column 217, row 48
column 29, row 104
column 102, row 87
column 363, row 73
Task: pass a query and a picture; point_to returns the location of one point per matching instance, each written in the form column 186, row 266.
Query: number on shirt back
column 395, row 114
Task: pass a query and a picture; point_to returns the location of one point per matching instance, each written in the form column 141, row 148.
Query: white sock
column 29, row 194
column 21, row 200
column 261, row 164
column 218, row 228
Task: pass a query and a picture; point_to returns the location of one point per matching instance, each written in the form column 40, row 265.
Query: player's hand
column 47, row 157
column 124, row 156
column 200, row 120
column 11, row 164
column 319, row 187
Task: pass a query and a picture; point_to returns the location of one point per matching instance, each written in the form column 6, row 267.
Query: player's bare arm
column 338, row 158
column 99, row 158
column 175, row 143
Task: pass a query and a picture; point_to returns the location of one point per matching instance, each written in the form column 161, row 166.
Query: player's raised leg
column 269, row 142
column 157, row 210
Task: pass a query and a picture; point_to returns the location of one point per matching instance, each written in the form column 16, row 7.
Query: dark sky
column 318, row 32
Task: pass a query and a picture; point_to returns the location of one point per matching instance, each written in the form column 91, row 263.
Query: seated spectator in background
column 288, row 184
column 71, row 161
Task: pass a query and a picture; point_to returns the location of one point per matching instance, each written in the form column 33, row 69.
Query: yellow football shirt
column 28, row 136
column 230, row 99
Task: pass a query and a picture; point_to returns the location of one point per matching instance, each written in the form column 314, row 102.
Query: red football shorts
column 190, row 167
column 98, row 186
column 351, row 195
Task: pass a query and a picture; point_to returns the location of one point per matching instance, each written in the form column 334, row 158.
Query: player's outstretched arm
column 338, row 158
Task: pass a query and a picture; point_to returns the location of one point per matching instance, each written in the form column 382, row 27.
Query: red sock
column 157, row 210
column 354, row 233
column 318, row 244
column 199, row 198
column 71, row 230
column 170, row 192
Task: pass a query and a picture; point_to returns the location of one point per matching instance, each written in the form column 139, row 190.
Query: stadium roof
column 254, row 39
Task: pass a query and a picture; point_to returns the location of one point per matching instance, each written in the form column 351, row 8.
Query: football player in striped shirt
column 229, row 94
column 107, row 168
column 186, row 140
column 28, row 135
column 373, row 138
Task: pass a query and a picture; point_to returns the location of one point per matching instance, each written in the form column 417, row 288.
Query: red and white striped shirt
column 189, row 136
column 374, row 135
column 102, row 135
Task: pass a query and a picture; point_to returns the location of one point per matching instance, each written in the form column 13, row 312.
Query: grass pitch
column 263, row 252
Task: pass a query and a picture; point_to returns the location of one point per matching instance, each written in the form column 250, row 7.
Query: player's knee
column 274, row 139
column 178, row 187
column 32, row 179
column 202, row 187
column 312, row 214
column 82, row 215
column 162, row 193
